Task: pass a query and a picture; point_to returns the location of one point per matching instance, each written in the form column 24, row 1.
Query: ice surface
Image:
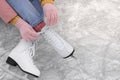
column 91, row 26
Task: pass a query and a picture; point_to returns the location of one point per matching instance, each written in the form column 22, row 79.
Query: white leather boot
column 22, row 55
column 58, row 43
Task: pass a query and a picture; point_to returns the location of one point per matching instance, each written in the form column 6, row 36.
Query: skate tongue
column 31, row 49
column 25, row 42
column 44, row 29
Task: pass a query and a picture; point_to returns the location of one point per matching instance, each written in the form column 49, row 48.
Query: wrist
column 43, row 2
column 19, row 23
column 14, row 20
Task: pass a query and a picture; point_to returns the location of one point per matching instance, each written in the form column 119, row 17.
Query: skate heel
column 71, row 54
column 11, row 62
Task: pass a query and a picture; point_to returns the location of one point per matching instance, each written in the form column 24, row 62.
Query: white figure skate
column 59, row 44
column 22, row 55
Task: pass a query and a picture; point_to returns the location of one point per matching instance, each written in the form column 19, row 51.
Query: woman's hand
column 28, row 33
column 51, row 13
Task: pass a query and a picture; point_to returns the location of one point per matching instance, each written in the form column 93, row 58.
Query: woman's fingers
column 29, row 33
column 51, row 14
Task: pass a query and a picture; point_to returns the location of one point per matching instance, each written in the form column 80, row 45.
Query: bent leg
column 27, row 11
column 37, row 5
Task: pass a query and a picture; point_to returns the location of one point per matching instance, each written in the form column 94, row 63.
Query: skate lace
column 52, row 38
column 30, row 50
column 45, row 37
column 41, row 34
